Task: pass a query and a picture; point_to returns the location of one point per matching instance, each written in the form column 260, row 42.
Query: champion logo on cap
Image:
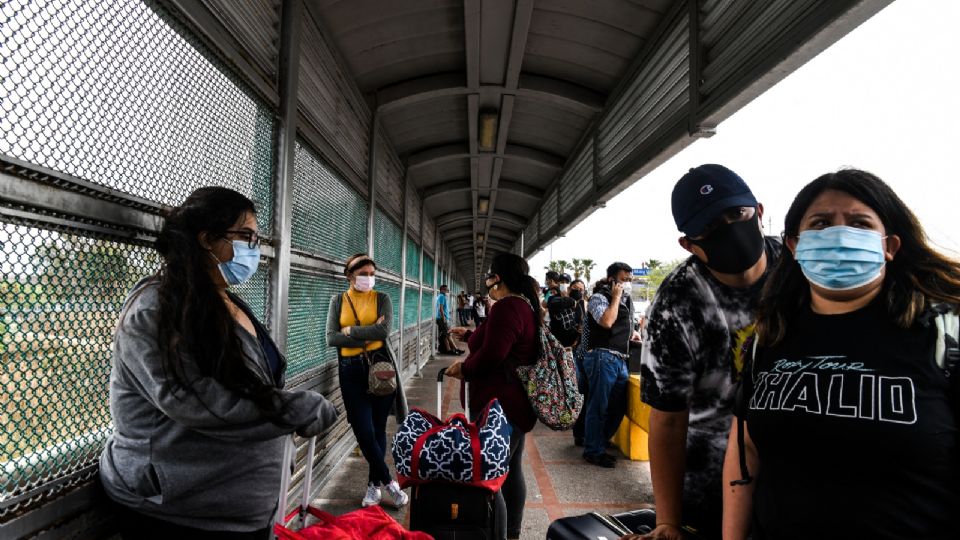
column 706, row 189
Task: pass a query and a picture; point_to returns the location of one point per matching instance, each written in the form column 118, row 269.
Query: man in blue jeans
column 611, row 334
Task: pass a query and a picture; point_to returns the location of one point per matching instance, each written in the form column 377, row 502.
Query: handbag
column 427, row 449
column 370, row 523
column 381, row 371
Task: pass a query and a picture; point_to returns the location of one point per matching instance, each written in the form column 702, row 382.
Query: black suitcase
column 592, row 526
column 455, row 511
column 597, row 526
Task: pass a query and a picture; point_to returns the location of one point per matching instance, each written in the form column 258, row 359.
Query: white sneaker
column 372, row 497
column 400, row 498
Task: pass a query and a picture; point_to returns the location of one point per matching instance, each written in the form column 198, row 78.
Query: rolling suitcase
column 597, row 526
column 592, row 526
column 450, row 511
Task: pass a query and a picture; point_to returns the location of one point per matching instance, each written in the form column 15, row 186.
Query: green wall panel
column 387, row 243
column 329, row 216
column 413, row 260
column 393, row 290
column 411, row 295
column 428, row 270
column 306, row 331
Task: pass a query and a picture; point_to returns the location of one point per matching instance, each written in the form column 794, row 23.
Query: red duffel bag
column 370, row 523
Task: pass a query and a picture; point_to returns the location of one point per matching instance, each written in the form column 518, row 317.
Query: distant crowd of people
column 800, row 384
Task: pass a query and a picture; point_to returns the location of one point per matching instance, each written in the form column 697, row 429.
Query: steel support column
column 403, row 267
column 288, row 78
column 372, row 181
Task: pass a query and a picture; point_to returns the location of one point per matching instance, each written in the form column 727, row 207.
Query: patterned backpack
column 551, row 383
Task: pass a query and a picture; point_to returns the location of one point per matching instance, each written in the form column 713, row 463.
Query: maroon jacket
column 506, row 339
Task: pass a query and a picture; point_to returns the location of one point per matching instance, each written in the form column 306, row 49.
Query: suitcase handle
column 289, row 462
column 466, row 394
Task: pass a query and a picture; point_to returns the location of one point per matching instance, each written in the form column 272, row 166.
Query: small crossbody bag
column 381, row 371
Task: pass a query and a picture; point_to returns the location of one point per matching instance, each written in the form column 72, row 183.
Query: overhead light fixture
column 480, row 237
column 487, row 136
column 483, row 205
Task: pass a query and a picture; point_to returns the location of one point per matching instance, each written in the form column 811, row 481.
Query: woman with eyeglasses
column 196, row 390
column 850, row 421
column 358, row 324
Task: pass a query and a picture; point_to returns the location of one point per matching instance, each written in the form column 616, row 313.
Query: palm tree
column 588, row 265
column 653, row 264
column 555, row 266
column 577, row 267
column 562, row 266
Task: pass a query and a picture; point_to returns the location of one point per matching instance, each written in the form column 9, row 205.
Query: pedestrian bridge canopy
column 429, row 133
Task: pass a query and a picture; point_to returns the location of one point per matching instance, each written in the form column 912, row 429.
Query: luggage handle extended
column 289, row 461
column 466, row 395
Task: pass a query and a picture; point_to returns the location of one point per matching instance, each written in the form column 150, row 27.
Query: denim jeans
column 607, row 378
column 367, row 415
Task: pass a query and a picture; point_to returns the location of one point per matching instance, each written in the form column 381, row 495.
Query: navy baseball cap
column 704, row 193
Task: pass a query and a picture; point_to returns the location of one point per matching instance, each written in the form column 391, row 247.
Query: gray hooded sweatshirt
column 207, row 458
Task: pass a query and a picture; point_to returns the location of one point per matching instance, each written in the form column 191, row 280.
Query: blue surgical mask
column 244, row 264
column 841, row 258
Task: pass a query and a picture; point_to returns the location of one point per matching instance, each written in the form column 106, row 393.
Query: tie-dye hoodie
column 691, row 359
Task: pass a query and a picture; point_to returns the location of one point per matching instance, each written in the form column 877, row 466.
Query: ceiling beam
column 458, row 186
column 439, row 154
column 443, row 221
column 544, row 90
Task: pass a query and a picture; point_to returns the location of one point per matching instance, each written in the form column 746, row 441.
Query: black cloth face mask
column 576, row 294
column 734, row 247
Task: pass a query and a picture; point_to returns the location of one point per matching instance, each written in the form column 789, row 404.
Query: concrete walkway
column 559, row 482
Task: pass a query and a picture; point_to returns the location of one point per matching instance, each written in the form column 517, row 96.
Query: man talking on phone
column 605, row 362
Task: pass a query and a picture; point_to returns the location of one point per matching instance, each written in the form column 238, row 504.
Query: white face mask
column 364, row 283
column 627, row 287
column 563, row 288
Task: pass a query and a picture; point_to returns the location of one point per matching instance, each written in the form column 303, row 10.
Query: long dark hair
column 917, row 276
column 514, row 272
column 195, row 325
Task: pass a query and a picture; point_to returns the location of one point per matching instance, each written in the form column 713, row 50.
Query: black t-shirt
column 853, row 424
column 563, row 319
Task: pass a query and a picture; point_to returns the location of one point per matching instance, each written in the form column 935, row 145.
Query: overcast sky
column 883, row 99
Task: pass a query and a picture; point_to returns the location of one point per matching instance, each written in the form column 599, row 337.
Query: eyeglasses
column 252, row 238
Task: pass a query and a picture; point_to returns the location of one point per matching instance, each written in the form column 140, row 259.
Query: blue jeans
column 607, row 378
column 367, row 415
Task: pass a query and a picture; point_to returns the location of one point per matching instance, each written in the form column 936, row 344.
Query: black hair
column 553, row 275
column 916, row 276
column 356, row 261
column 580, row 281
column 514, row 272
column 195, row 325
column 616, row 268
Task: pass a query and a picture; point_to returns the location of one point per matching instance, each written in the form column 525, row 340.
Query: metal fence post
column 289, row 73
column 419, row 356
column 288, row 77
column 403, row 269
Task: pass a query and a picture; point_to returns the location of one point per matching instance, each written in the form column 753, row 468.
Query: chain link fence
column 121, row 107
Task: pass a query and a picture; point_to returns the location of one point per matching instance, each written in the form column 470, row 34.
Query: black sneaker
column 601, row 460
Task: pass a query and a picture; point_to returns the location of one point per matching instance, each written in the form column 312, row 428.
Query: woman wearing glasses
column 358, row 324
column 196, row 389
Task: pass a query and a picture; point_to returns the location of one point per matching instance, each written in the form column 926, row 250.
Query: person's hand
column 455, row 370
column 381, row 319
column 616, row 289
column 345, row 330
column 458, row 332
column 664, row 531
column 635, row 337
